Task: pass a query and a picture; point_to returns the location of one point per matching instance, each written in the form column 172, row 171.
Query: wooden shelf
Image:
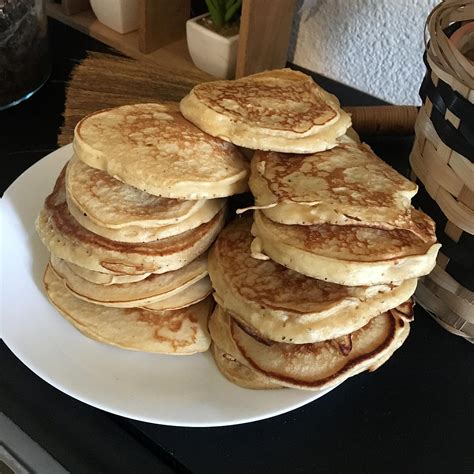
column 265, row 28
column 174, row 56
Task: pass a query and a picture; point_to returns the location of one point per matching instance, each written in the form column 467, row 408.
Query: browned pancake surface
column 57, row 209
column 322, row 364
column 160, row 141
column 262, row 100
column 113, row 202
column 268, row 283
column 336, row 178
column 364, row 244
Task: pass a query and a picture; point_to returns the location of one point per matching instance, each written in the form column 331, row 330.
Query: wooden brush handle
column 383, row 119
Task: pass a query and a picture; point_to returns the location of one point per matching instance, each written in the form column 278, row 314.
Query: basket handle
column 384, row 119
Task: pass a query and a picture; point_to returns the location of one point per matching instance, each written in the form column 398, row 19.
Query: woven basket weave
column 442, row 162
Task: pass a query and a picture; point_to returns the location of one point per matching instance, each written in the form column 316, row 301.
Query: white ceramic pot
column 211, row 52
column 119, row 15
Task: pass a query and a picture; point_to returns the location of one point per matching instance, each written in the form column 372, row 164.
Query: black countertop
column 415, row 414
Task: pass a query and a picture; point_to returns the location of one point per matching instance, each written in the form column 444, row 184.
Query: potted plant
column 119, row 15
column 213, row 38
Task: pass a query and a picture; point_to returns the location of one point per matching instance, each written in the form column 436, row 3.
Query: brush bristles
column 104, row 80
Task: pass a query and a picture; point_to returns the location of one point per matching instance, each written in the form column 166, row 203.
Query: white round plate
column 178, row 391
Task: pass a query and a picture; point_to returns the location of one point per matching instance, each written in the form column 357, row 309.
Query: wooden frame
column 71, row 7
column 154, row 35
column 265, row 29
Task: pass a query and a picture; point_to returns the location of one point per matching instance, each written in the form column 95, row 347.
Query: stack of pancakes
column 129, row 223
column 317, row 287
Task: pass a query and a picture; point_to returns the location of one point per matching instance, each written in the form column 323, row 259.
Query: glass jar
column 24, row 51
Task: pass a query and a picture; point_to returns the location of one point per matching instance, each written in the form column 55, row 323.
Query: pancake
column 283, row 305
column 129, row 295
column 67, row 239
column 227, row 357
column 280, row 110
column 348, row 255
column 219, row 330
column 110, row 203
column 238, row 373
column 404, row 310
column 153, row 148
column 136, row 233
column 326, row 364
column 347, row 185
column 191, row 295
column 104, row 278
column 178, row 332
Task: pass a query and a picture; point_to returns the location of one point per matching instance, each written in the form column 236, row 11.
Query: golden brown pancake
column 65, row 238
column 240, row 374
column 283, row 305
column 110, row 203
column 219, row 329
column 137, row 233
column 100, row 278
column 280, row 110
column 227, row 356
column 188, row 296
column 153, row 148
column 347, row 185
column 180, row 332
column 325, row 364
column 154, row 288
column 348, row 255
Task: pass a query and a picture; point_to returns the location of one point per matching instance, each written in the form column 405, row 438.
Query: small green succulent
column 223, row 11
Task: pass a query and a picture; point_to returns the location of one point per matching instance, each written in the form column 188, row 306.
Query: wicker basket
column 442, row 161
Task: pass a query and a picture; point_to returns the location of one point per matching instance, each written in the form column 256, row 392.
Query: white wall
column 373, row 45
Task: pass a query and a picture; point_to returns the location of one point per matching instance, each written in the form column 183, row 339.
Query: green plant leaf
column 222, row 11
column 232, row 10
column 216, row 16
